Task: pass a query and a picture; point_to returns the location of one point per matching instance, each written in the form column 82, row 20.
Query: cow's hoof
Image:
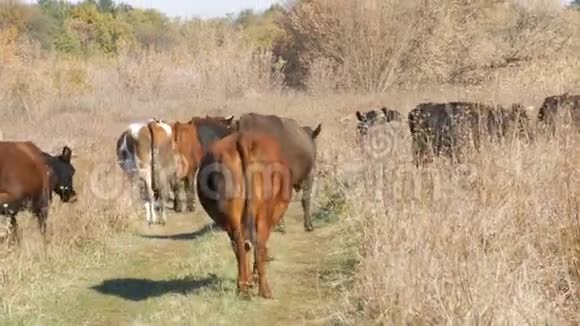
column 280, row 228
column 265, row 293
column 244, row 293
column 254, row 282
column 308, row 228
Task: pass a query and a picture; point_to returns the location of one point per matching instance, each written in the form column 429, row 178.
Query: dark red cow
column 28, row 176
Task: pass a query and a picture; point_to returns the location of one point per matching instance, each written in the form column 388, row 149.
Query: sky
column 206, row 8
column 202, row 8
column 199, row 8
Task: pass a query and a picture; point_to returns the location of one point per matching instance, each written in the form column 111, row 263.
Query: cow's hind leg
column 240, row 252
column 149, row 195
column 263, row 231
column 178, row 188
column 260, row 258
column 166, row 189
column 163, row 194
column 190, row 193
column 160, row 198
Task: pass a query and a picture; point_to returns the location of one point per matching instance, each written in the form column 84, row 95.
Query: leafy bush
column 150, row 28
column 377, row 45
column 97, row 31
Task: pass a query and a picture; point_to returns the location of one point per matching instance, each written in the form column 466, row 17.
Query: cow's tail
column 248, row 219
column 152, row 165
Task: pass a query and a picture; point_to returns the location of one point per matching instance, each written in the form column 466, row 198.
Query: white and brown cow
column 145, row 152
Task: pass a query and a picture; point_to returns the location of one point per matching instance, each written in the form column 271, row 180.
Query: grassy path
column 182, row 274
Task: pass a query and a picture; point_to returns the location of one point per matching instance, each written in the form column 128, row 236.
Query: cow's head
column 367, row 120
column 227, row 122
column 64, row 174
column 210, row 129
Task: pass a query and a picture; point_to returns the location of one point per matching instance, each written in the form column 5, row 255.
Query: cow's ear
column 316, row 131
column 359, row 116
column 66, row 154
column 229, row 120
column 384, row 109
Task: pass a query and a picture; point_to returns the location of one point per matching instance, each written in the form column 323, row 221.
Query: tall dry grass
column 493, row 241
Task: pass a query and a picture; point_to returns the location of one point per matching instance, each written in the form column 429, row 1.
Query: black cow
column 375, row 117
column 558, row 109
column 446, row 128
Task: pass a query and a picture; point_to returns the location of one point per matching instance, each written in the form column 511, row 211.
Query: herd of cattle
column 244, row 170
column 445, row 129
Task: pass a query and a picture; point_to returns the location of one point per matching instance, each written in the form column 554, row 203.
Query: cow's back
column 162, row 140
column 188, row 148
column 215, row 190
column 431, row 117
column 135, row 144
column 23, row 173
column 298, row 147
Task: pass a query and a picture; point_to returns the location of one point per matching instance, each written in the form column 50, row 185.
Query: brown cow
column 298, row 147
column 245, row 186
column 145, row 152
column 27, row 178
column 189, row 153
column 190, row 140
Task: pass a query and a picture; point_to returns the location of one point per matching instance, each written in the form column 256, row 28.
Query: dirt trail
column 184, row 274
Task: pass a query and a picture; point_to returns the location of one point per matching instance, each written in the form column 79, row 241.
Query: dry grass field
column 494, row 240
